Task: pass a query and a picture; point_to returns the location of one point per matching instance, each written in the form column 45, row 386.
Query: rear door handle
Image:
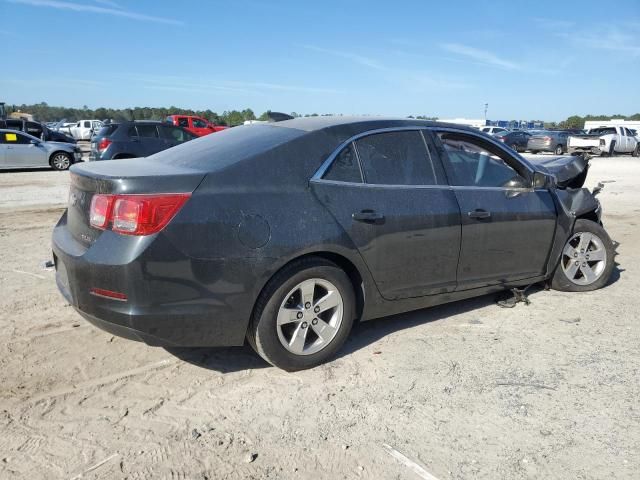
column 367, row 216
column 479, row 213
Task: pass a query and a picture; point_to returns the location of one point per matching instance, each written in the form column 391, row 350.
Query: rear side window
column 396, row 158
column 87, row 124
column 147, row 131
column 344, row 167
column 107, row 130
column 183, row 122
column 176, row 134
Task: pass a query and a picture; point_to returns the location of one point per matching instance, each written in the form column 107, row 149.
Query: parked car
column 517, row 139
column 21, row 150
column 135, row 139
column 285, row 233
column 493, row 130
column 82, row 130
column 605, row 141
column 548, row 141
column 36, row 129
column 196, row 125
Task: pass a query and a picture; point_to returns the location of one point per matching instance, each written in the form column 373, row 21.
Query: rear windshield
column 227, row 147
column 107, row 130
column 603, row 131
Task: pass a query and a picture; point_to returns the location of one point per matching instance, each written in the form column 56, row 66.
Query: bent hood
column 569, row 171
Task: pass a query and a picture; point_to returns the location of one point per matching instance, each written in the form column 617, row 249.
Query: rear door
column 392, row 200
column 507, row 226
column 150, row 139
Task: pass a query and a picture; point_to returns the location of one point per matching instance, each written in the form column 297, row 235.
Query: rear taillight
column 135, row 214
column 546, row 139
column 104, row 143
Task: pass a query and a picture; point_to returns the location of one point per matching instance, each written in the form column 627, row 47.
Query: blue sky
column 542, row 59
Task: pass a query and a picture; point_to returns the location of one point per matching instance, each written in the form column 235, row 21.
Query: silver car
column 21, row 150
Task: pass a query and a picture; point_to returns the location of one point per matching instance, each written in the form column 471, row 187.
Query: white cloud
column 355, row 58
column 480, row 56
column 78, row 7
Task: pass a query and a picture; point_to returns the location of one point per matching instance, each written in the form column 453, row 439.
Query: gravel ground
column 466, row 390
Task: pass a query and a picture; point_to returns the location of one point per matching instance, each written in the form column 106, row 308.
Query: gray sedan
column 21, row 150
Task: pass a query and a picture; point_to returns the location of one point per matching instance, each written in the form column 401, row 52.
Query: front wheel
column 636, row 151
column 587, row 259
column 304, row 315
column 60, row 161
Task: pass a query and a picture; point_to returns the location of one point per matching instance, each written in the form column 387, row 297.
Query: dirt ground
column 467, row 390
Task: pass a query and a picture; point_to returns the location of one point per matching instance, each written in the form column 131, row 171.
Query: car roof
column 364, row 123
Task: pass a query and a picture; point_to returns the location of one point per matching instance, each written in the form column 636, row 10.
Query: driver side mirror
column 541, row 180
column 34, row 142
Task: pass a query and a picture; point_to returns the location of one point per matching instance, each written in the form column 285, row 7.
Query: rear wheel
column 559, row 149
column 60, row 161
column 534, row 152
column 303, row 316
column 587, row 259
column 515, row 147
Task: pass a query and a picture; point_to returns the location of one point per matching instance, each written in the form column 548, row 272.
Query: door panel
column 511, row 243
column 507, row 226
column 413, row 249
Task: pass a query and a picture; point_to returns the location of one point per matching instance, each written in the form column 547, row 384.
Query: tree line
column 47, row 113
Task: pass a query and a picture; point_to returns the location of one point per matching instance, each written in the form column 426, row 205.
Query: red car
column 196, row 125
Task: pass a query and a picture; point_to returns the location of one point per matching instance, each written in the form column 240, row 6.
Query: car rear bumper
column 166, row 303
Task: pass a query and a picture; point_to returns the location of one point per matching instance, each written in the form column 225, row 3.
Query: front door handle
column 479, row 214
column 368, row 216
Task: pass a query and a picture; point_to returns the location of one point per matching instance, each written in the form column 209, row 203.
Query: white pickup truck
column 83, row 130
column 605, row 141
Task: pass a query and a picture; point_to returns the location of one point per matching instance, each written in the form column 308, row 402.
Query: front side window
column 396, row 158
column 15, row 138
column 198, row 123
column 183, row 122
column 87, row 124
column 344, row 167
column 473, row 162
column 147, row 131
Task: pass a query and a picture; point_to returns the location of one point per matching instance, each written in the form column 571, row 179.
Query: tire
column 569, row 276
column 514, row 147
column 636, row 151
column 283, row 297
column 534, row 152
column 612, row 148
column 60, row 161
column 559, row 150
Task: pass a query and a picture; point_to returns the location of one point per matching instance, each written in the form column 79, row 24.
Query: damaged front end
column 570, row 174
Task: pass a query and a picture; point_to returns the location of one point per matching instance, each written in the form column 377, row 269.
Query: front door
column 21, row 153
column 507, row 226
column 392, row 200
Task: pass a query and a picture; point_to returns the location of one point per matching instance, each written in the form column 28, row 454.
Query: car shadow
column 234, row 359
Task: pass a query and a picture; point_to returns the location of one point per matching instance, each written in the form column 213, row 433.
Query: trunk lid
column 134, row 176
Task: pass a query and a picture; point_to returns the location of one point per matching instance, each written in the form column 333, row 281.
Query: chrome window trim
column 322, row 181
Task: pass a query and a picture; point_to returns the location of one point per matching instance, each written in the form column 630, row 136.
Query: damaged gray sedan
column 284, row 234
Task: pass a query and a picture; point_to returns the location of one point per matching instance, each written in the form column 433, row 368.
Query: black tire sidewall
column 560, row 280
column 263, row 334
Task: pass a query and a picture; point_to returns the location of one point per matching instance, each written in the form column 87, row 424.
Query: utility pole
column 486, row 107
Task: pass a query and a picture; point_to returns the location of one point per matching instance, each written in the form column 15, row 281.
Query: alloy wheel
column 60, row 161
column 310, row 316
column 584, row 258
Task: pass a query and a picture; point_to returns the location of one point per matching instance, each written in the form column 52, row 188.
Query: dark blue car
column 116, row 141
